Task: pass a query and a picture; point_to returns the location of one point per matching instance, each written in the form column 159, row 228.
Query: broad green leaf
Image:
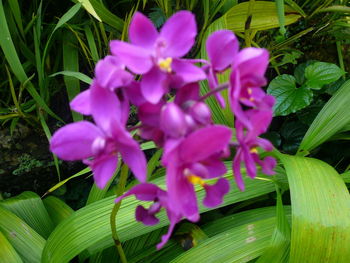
column 322, row 73
column 57, row 209
column 320, row 211
column 289, row 98
column 29, row 207
column 7, row 253
column 264, row 16
column 89, row 227
column 28, row 243
column 173, row 249
column 81, row 76
column 239, row 244
column 278, row 250
column 333, row 118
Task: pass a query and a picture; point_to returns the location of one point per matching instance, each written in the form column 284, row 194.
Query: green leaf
column 28, row 243
column 278, row 251
column 81, row 76
column 57, row 209
column 264, row 16
column 320, row 211
column 333, row 118
column 71, row 63
column 239, row 244
column 172, row 249
column 322, row 73
column 29, row 207
column 89, row 227
column 7, row 253
column 289, row 98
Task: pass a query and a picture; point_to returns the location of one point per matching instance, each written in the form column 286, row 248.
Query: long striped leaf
column 7, row 253
column 89, row 227
column 239, row 244
column 320, row 211
column 57, row 209
column 29, row 207
column 28, row 243
column 333, row 118
column 264, row 16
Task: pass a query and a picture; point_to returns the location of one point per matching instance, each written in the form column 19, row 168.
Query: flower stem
column 119, row 191
column 220, row 87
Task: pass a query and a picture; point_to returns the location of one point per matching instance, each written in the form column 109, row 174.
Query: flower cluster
column 194, row 147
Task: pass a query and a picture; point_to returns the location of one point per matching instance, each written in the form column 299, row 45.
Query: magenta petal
column 249, row 161
column 81, row 103
column 131, row 153
column 215, row 193
column 187, row 71
column 149, row 113
column 134, row 94
column 137, row 59
column 252, row 58
column 103, row 168
column 142, row 31
column 143, row 192
column 179, row 33
column 154, row 85
column 186, row 93
column 173, row 221
column 222, row 46
column 268, row 165
column 202, row 143
column 142, row 215
column 236, row 167
column 215, row 167
column 73, row 141
column 105, row 107
column 182, row 196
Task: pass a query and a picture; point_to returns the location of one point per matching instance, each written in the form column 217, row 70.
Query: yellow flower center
column 165, row 64
column 194, row 179
column 253, row 150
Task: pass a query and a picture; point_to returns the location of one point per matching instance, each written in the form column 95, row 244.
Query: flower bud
column 172, row 121
column 200, row 112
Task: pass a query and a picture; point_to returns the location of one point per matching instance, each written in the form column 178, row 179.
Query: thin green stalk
column 119, row 191
column 247, row 30
column 340, row 56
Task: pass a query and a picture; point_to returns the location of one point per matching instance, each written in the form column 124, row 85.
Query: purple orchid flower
column 220, row 58
column 159, row 197
column 246, row 79
column 248, row 142
column 192, row 161
column 98, row 145
column 157, row 55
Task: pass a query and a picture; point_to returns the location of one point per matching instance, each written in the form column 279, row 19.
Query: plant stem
column 340, row 56
column 220, row 87
column 119, row 191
